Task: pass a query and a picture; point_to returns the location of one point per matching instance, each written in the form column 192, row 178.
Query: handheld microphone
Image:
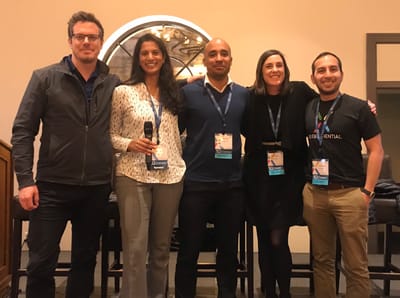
column 148, row 134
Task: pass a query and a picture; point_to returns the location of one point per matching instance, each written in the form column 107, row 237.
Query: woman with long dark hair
column 149, row 167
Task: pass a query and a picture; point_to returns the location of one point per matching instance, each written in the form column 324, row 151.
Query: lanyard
column 320, row 131
column 216, row 105
column 275, row 125
column 157, row 117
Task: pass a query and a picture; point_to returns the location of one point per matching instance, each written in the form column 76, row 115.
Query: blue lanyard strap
column 275, row 125
column 218, row 108
column 320, row 131
column 157, row 118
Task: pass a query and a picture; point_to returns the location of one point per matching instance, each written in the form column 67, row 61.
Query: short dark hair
column 259, row 84
column 323, row 54
column 83, row 16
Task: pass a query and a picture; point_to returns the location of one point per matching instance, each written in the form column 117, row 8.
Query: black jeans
column 223, row 203
column 85, row 207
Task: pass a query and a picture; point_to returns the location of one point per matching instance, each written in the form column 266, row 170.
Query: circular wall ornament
column 185, row 42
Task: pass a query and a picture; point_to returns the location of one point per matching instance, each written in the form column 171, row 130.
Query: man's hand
column 372, row 107
column 194, row 78
column 29, row 197
column 366, row 198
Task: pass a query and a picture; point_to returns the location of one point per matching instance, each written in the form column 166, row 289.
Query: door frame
column 373, row 85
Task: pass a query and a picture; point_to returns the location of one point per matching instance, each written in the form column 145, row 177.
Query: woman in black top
column 275, row 157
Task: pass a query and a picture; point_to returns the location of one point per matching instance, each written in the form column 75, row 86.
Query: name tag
column 159, row 159
column 320, row 171
column 223, row 145
column 275, row 163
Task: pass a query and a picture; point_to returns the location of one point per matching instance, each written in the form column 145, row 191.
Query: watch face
column 371, row 194
column 184, row 41
column 363, row 190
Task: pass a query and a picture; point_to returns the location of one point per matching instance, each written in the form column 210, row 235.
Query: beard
column 328, row 92
column 85, row 55
column 87, row 59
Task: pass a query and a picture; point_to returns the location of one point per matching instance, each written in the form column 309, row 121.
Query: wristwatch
column 371, row 194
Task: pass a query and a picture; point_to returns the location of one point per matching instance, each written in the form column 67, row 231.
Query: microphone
column 148, row 134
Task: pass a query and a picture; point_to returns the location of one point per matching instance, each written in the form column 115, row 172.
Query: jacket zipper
column 88, row 102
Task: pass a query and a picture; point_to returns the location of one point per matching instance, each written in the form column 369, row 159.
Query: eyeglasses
column 82, row 37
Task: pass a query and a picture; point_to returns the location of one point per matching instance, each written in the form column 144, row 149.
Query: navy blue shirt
column 87, row 85
column 202, row 121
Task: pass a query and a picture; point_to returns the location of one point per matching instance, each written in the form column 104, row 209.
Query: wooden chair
column 19, row 216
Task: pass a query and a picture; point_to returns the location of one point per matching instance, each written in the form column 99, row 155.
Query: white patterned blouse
column 131, row 107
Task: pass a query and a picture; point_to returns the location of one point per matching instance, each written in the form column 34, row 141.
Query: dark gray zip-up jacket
column 75, row 144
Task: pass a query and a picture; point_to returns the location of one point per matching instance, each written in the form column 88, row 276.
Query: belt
column 276, row 143
column 332, row 186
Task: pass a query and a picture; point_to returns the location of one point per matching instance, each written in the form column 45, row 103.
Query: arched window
column 184, row 40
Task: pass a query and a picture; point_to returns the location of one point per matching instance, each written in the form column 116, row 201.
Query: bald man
column 212, row 187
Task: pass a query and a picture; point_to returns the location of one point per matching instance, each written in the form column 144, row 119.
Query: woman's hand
column 143, row 145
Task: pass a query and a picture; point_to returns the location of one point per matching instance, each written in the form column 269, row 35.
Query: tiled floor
column 207, row 286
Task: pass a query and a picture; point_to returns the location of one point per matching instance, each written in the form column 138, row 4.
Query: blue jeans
column 85, row 207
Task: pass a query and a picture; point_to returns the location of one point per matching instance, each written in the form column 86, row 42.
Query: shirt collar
column 73, row 68
column 207, row 81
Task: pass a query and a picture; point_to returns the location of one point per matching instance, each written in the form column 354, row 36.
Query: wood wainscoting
column 6, row 194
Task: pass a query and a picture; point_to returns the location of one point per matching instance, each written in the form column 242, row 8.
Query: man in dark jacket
column 71, row 100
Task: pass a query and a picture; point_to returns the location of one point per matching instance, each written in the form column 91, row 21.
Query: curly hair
column 169, row 92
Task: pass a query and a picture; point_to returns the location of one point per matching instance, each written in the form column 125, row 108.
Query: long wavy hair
column 169, row 92
column 259, row 85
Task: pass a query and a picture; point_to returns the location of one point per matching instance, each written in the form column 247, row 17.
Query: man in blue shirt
column 213, row 191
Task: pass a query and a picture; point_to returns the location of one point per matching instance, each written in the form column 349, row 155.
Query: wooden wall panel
column 6, row 193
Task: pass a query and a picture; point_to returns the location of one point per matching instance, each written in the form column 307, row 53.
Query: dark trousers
column 85, row 207
column 223, row 204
